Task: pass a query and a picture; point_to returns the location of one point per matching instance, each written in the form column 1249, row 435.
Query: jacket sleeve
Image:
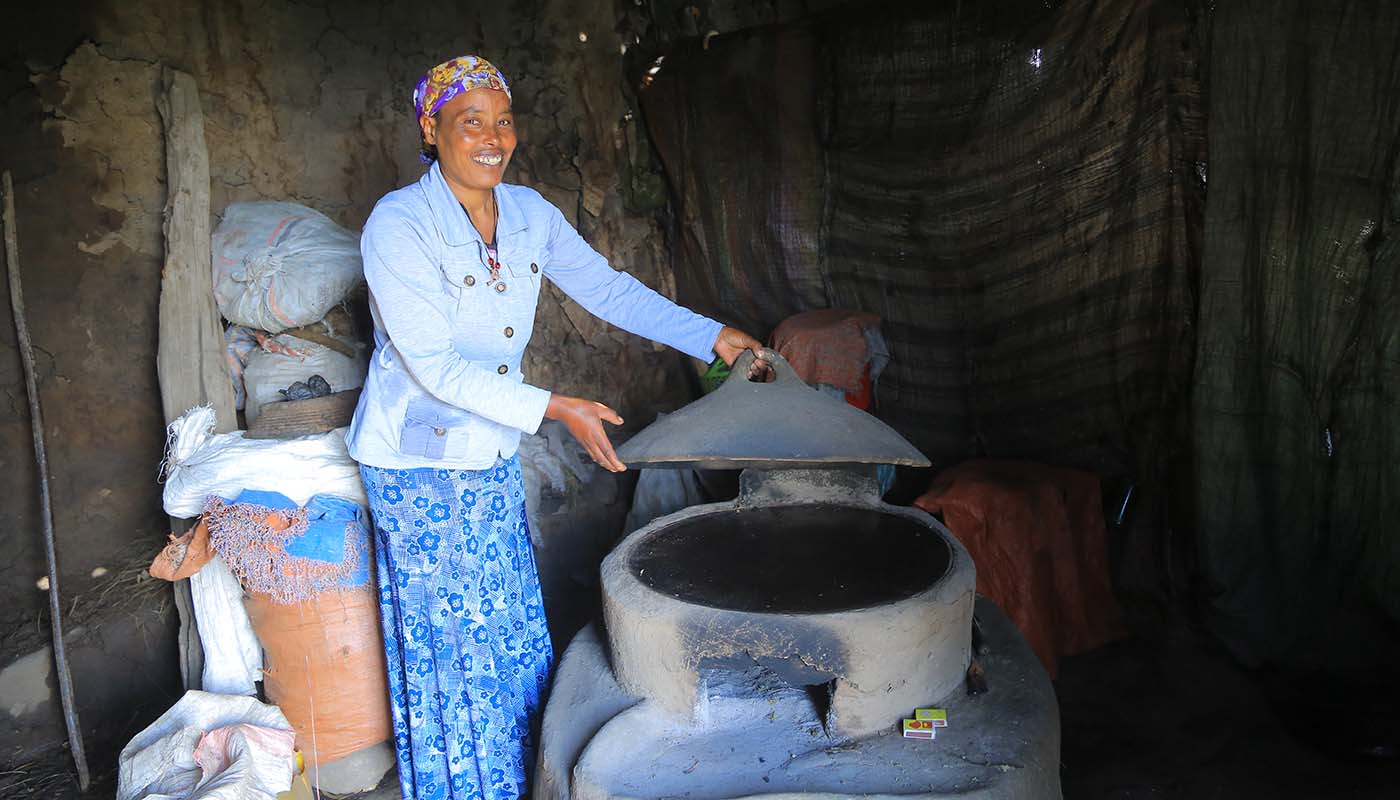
column 621, row 299
column 409, row 296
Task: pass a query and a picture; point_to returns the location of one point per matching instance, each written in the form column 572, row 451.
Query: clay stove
column 771, row 645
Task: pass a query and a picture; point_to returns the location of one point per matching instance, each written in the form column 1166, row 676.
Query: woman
column 454, row 264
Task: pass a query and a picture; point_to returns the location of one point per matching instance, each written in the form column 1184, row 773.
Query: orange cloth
column 184, row 555
column 1037, row 536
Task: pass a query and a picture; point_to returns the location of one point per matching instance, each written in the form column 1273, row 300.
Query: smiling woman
column 454, row 264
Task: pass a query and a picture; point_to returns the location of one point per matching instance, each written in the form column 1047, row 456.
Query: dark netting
column 1296, row 425
column 1008, row 190
column 1016, row 187
column 1010, row 185
column 735, row 125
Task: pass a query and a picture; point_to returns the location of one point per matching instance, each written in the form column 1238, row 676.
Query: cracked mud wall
column 303, row 101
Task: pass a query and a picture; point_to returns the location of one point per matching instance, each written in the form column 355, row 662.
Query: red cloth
column 829, row 346
column 1038, row 538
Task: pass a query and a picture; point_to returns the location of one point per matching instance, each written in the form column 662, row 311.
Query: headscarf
column 453, row 77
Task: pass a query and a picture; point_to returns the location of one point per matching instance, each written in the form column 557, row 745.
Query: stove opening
column 820, row 694
column 805, row 559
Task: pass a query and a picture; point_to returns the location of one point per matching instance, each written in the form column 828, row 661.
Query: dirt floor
column 1177, row 718
column 1170, row 718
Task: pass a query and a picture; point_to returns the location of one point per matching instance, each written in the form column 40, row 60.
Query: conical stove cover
column 777, row 425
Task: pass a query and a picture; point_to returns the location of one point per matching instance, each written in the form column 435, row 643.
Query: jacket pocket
column 427, row 427
column 464, row 270
column 524, row 261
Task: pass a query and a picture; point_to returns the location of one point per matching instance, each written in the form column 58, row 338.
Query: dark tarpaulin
column 1009, row 191
column 1296, row 419
column 1016, row 188
column 1012, row 187
column 735, row 125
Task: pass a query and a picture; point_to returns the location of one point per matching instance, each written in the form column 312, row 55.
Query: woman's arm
column 621, row 299
column 408, row 291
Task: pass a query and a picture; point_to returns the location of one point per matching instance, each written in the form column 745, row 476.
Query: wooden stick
column 190, row 364
column 36, row 419
column 190, row 361
column 316, row 334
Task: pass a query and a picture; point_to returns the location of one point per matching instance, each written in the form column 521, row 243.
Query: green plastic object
column 714, row 376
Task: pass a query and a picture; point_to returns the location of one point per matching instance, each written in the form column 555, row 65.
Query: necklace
column 491, row 262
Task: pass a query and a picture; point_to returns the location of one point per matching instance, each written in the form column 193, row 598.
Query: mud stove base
column 753, row 736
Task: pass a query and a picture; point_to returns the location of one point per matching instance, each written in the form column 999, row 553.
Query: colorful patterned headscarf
column 453, row 77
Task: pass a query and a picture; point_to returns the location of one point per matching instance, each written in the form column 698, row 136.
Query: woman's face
column 475, row 136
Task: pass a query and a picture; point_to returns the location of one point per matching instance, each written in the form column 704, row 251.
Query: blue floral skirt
column 464, row 628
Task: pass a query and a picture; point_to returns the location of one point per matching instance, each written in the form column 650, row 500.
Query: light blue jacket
column 444, row 386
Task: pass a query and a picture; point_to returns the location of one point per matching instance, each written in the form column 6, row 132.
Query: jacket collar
column 452, row 221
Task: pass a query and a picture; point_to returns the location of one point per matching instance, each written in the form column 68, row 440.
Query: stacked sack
column 280, row 561
column 281, row 265
column 281, row 567
column 282, row 273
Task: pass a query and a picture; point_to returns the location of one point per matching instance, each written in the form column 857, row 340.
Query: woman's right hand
column 584, row 419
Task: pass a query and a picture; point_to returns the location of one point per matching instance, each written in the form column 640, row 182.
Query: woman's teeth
column 489, row 159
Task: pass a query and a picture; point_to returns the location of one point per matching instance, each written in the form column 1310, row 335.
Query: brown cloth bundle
column 829, row 346
column 1037, row 536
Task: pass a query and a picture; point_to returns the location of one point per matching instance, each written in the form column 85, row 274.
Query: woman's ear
column 429, row 127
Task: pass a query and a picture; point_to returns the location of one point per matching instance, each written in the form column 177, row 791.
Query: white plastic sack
column 282, row 265
column 200, row 463
column 268, row 371
column 210, row 747
column 232, row 654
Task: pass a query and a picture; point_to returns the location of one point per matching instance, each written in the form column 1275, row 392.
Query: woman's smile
column 490, row 158
column 474, row 133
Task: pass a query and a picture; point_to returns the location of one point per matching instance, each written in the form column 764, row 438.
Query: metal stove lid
column 777, row 425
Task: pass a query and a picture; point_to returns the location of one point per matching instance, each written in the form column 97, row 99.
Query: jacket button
column 470, row 280
column 503, row 369
column 501, row 286
column 440, row 431
column 510, row 332
column 534, row 267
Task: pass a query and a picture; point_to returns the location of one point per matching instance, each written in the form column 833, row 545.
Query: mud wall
column 303, row 101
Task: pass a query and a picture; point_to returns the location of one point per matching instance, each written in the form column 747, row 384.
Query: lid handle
column 782, row 370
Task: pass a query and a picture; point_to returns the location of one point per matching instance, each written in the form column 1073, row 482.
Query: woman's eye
column 506, row 123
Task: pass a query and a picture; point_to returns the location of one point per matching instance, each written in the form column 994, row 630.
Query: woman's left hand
column 732, row 342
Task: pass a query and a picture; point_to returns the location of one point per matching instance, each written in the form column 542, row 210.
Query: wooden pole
column 190, row 345
column 190, row 348
column 36, row 419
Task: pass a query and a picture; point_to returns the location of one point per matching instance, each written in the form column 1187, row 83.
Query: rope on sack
column 185, row 436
